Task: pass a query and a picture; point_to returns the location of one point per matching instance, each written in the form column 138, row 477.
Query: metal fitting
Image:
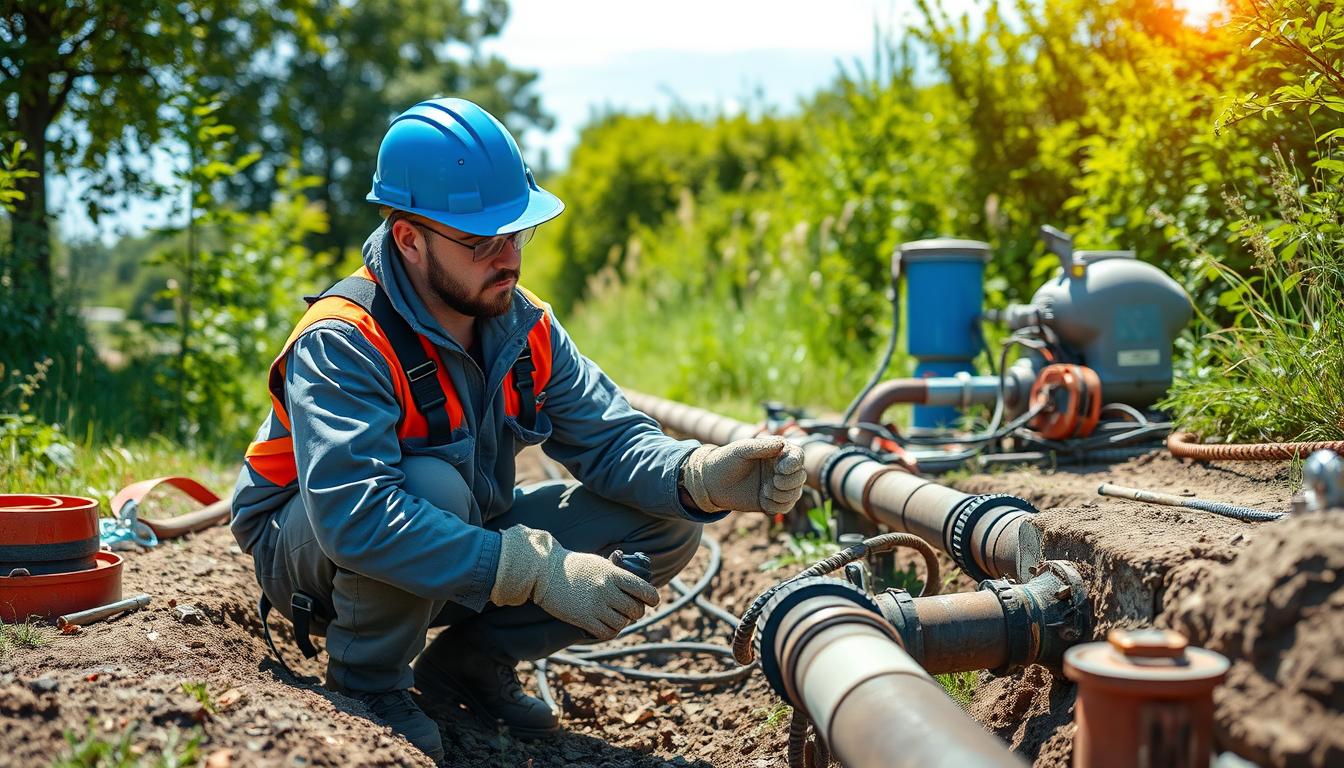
column 1002, row 627
column 826, row 650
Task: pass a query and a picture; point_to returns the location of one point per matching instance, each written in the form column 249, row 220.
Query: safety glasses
column 488, row 248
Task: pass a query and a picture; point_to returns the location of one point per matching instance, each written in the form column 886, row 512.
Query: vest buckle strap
column 423, row 370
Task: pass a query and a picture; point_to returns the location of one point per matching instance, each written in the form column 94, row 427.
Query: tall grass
column 1276, row 371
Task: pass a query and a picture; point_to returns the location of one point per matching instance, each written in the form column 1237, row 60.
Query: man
column 378, row 499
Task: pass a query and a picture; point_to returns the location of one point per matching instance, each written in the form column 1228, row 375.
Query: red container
column 56, row 594
column 47, row 534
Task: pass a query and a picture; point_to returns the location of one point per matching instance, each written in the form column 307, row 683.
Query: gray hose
column 593, row 657
column 1246, row 514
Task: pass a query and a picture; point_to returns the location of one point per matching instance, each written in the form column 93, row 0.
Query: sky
column 712, row 55
column 630, row 55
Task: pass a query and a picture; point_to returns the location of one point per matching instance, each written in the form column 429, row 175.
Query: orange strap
column 215, row 511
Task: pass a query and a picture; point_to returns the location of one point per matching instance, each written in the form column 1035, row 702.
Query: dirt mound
column 1270, row 605
column 1277, row 610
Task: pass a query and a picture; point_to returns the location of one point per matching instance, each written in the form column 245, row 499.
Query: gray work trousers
column 374, row 629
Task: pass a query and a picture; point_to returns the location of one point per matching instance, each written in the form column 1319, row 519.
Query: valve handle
column 1059, row 243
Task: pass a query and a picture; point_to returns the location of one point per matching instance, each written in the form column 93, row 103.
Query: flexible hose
column 1186, row 445
column 820, row 756
column 592, row 657
column 886, row 542
column 886, row 356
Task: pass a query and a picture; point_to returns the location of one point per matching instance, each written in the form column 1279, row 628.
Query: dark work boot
column 487, row 685
column 397, row 709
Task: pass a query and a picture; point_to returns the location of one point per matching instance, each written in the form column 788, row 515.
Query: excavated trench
column 1266, row 595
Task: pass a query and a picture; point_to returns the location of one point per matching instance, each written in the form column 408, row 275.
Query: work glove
column 588, row 591
column 760, row 474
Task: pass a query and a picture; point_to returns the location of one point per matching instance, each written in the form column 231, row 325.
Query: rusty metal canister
column 1145, row 700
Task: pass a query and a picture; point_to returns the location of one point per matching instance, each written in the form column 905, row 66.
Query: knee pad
column 437, row 482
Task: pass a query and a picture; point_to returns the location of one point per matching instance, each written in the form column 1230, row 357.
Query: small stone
column 187, row 614
column 44, row 685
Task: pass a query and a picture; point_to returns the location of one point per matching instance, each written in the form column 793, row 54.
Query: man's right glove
column 582, row 589
column 759, row 474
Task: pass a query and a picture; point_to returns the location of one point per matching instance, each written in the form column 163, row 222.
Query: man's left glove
column 760, row 474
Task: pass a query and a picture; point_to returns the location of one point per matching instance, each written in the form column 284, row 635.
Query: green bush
column 1110, row 120
column 1269, row 365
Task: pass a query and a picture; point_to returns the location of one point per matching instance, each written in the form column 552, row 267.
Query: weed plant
column 25, row 634
column 1276, row 371
column 92, row 749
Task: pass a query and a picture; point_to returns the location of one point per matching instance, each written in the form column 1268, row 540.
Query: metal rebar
column 1248, row 514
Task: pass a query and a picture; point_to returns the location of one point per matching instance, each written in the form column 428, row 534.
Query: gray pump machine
column 1099, row 332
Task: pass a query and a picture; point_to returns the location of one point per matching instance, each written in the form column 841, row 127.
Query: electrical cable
column 592, row 657
column 886, row 356
column 884, row 542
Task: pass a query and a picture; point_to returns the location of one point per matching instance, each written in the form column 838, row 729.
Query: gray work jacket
column 344, row 413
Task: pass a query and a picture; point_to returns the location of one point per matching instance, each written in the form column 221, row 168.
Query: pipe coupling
column 1044, row 617
column 960, row 525
column 775, row 623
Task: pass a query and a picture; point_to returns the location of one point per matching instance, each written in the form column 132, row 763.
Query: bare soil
column 126, row 675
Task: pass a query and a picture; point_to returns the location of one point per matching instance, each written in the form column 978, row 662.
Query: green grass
column 26, row 634
column 201, row 693
column 92, row 749
column 802, row 550
column 772, row 717
column 960, row 686
column 1275, row 372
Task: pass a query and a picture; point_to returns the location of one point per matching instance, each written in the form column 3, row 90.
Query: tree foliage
column 1117, row 121
column 327, row 104
column 101, row 72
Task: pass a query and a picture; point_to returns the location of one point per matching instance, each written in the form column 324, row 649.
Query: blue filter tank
column 944, row 293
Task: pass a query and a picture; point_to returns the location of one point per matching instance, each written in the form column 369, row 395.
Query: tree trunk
column 30, row 235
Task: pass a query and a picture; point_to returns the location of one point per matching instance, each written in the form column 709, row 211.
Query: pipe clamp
column 962, row 522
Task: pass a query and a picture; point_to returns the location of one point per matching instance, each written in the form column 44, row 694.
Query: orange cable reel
column 1069, row 399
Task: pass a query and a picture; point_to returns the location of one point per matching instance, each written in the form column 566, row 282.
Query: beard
column 461, row 298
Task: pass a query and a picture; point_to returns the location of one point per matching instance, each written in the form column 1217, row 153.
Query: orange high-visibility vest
column 273, row 459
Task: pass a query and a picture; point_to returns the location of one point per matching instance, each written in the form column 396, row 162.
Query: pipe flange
column 1017, row 617
column 787, row 596
column 963, row 521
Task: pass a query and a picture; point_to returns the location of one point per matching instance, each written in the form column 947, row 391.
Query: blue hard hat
column 453, row 162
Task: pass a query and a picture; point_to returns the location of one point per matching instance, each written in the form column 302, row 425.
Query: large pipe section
column 1002, row 627
column 825, row 648
column 980, row 533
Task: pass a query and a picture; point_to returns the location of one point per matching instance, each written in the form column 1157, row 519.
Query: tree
column 328, row 104
column 102, row 72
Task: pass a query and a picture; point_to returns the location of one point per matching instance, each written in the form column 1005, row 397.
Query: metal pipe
column 1186, row 445
column 884, row 395
column 980, row 533
column 826, row 650
column 103, row 611
column 1002, row 627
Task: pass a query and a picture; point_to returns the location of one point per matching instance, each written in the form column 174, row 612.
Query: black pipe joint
column 790, row 596
column 1045, row 616
column 959, row 529
column 1042, row 618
